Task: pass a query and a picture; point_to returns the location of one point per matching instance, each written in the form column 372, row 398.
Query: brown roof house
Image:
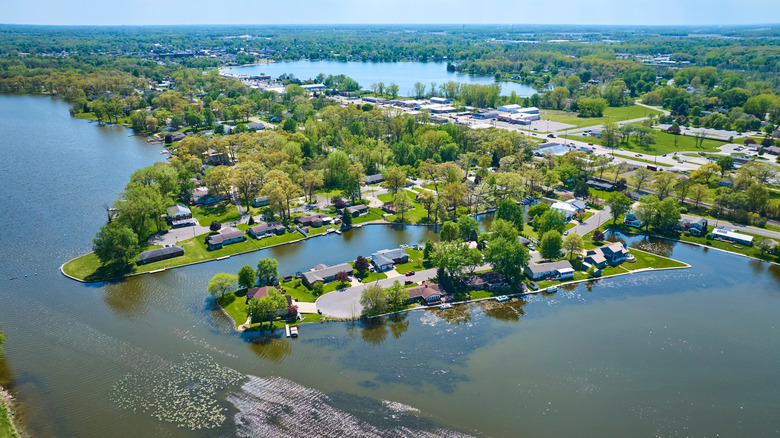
column 428, row 291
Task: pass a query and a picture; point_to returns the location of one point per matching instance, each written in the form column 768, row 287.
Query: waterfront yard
column 221, row 212
column 234, row 304
column 664, row 144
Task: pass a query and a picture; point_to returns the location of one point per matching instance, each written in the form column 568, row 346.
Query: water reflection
column 399, row 323
column 127, row 298
column 654, row 245
column 267, row 347
column 774, row 270
column 373, row 330
column 509, row 311
column 460, row 314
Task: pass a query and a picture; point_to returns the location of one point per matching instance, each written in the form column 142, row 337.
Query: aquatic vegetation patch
column 277, row 407
column 184, row 393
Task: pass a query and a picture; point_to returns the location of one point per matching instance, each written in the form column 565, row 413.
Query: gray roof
column 169, row 251
column 395, row 253
column 355, row 208
column 374, row 178
column 547, row 267
column 321, row 274
column 177, row 209
column 264, row 227
column 226, row 234
column 381, row 260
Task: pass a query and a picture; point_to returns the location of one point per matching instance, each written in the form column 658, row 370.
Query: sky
column 179, row 12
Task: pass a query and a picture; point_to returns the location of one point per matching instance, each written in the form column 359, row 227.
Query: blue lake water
column 691, row 352
column 404, row 74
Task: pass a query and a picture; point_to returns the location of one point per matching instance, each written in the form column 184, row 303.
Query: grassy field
column 374, row 214
column 414, row 216
column 664, row 144
column 7, row 429
column 611, row 114
column 221, row 212
column 414, row 264
column 89, row 268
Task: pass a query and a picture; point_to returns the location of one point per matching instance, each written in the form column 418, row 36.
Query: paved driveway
column 345, row 303
column 175, row 235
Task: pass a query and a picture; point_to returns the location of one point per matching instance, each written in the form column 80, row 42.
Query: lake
column 404, row 74
column 690, row 352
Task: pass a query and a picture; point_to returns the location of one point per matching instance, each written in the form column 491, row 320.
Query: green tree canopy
column 551, row 245
column 222, row 283
column 115, row 244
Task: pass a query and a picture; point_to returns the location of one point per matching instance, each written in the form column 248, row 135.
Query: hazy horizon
column 400, row 12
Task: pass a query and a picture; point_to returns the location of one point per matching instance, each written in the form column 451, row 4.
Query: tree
column 361, row 265
column 450, row 256
column 374, row 300
column 449, row 232
column 427, row 250
column 267, row 270
column 342, row 277
column 403, row 204
column 508, row 257
column 317, row 288
column 427, row 199
column 641, row 176
column 682, row 186
column 395, row 178
column 598, row 235
column 725, row 163
column 292, row 311
column 392, row 89
column 662, row 182
column 215, row 226
column 618, row 204
column 246, row 277
column 246, row 177
column 115, row 245
column 537, row 210
column 510, row 211
column 764, row 245
column 468, row 228
column 705, row 172
column 699, row 192
column 503, row 229
column 397, row 295
column 610, row 134
column 346, row 219
column 573, row 244
column 581, row 190
column 667, row 214
column 550, row 220
column 550, row 245
column 222, row 283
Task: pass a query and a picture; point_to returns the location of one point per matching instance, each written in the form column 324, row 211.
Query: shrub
column 215, row 226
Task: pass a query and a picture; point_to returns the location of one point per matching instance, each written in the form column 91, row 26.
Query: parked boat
column 445, row 306
column 502, row 298
column 552, row 289
column 338, row 231
column 294, row 331
column 330, row 230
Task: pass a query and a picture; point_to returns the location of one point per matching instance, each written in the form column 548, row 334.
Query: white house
column 570, row 207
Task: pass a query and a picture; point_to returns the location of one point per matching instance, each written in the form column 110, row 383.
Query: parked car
column 407, row 282
column 409, row 274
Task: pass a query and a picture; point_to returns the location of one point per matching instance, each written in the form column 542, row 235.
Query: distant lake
column 404, row 74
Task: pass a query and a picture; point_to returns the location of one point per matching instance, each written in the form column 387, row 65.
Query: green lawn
column 642, row 160
column 221, row 212
column 611, row 114
column 739, row 249
column 648, row 260
column 234, row 304
column 664, row 144
column 298, row 291
column 417, row 215
column 329, row 193
column 371, row 277
column 373, row 214
column 89, row 268
column 414, row 264
column 6, row 426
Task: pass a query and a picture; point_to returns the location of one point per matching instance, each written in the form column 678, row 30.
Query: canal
column 690, row 352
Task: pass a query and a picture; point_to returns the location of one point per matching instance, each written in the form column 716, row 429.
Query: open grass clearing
column 611, row 114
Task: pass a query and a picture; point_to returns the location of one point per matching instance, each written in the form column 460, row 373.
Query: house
column 325, row 274
column 316, row 220
column 538, row 271
column 385, row 259
column 357, row 210
column 523, row 241
column 255, row 126
column 226, row 236
column 262, row 292
column 260, row 201
column 570, row 207
column 160, row 254
column 696, row 226
column 632, row 221
column 265, row 229
column 373, row 179
column 600, row 185
column 388, row 207
column 772, row 150
column 211, row 156
column 726, row 182
column 492, row 281
column 176, row 136
column 179, row 212
column 612, row 254
column 429, row 292
column 723, row 233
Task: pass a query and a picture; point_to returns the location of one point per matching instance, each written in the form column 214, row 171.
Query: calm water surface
column 404, row 74
column 693, row 352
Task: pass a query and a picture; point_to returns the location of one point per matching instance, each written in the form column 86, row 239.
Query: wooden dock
column 287, row 329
